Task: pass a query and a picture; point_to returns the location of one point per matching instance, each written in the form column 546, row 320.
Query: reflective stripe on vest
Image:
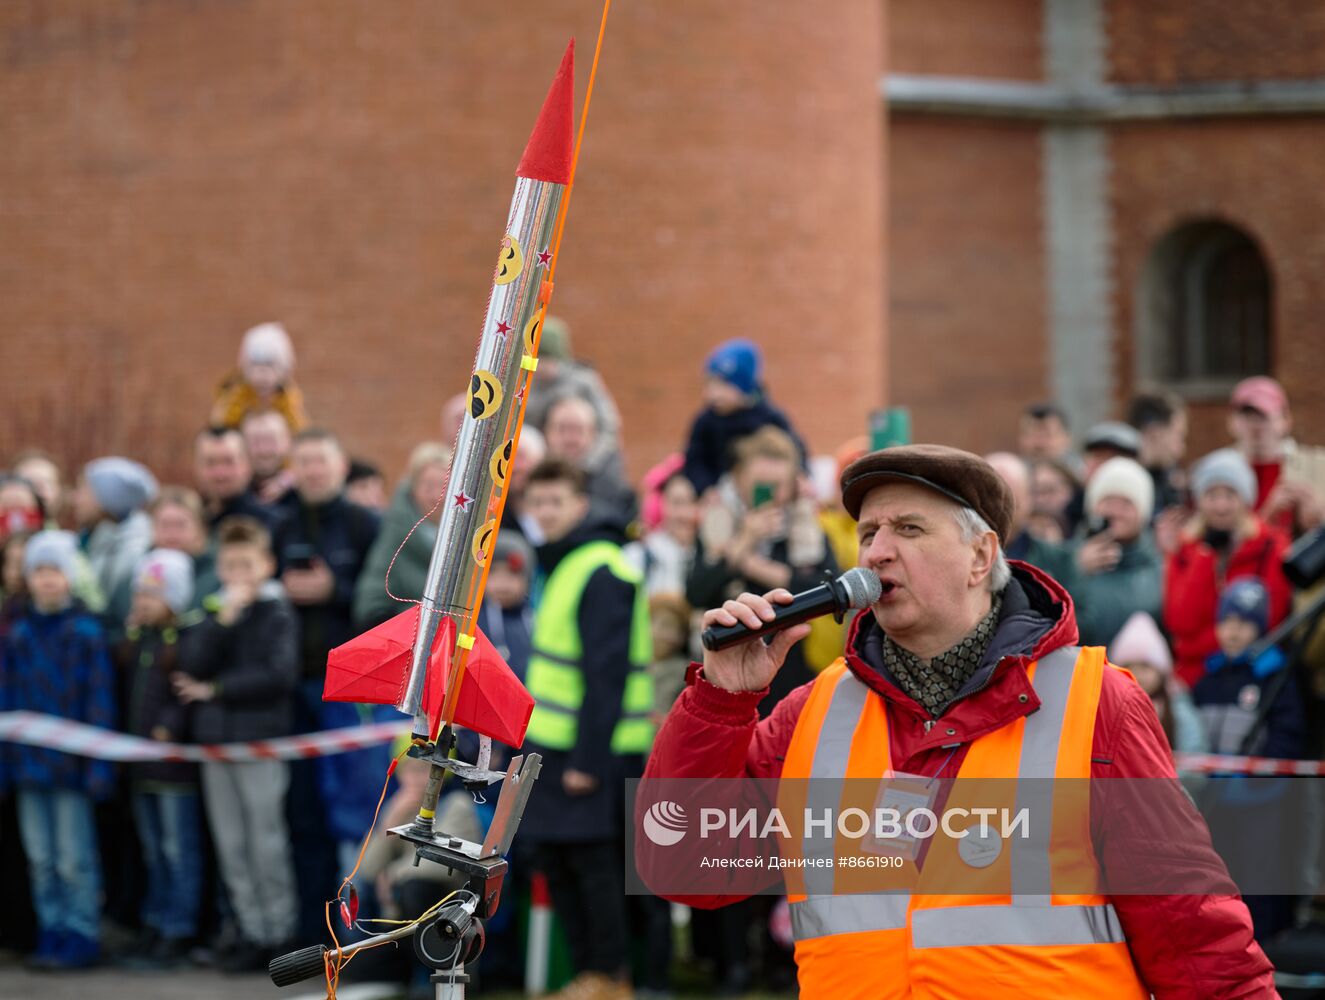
column 902, row 945
column 556, row 677
column 974, row 926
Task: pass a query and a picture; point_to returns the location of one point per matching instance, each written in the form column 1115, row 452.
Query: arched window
column 1203, row 310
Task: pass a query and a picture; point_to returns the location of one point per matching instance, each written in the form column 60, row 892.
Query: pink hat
column 654, row 481
column 1140, row 641
column 1260, row 392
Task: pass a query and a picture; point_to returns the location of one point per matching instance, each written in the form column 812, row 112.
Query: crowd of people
column 204, row 613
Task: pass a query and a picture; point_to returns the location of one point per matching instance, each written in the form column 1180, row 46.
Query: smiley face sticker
column 483, row 539
column 510, row 261
column 531, row 330
column 484, row 394
column 500, row 465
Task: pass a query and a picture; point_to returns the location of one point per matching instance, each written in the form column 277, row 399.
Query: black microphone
column 856, row 588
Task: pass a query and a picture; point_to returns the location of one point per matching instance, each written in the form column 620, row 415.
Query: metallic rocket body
column 503, row 367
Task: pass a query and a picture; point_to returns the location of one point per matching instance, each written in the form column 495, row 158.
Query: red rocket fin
column 548, row 155
column 492, row 701
column 372, row 668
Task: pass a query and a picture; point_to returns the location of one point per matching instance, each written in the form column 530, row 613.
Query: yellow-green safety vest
column 556, row 662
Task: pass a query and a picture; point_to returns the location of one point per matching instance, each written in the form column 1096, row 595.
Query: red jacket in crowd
column 1192, row 584
column 1185, row 946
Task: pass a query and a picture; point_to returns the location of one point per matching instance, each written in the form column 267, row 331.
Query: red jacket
column 1192, row 583
column 1185, row 946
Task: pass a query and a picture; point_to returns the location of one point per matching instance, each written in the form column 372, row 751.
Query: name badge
column 904, row 816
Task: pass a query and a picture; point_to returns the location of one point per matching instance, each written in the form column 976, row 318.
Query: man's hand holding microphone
column 733, row 662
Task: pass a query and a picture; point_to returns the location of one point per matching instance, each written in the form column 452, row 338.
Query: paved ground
column 17, row 983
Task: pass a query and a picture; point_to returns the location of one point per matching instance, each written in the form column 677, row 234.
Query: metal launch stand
column 454, row 935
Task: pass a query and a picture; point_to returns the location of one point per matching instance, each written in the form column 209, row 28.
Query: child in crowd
column 734, row 407
column 238, row 668
column 665, row 552
column 40, row 469
column 178, row 522
column 55, row 662
column 1229, row 695
column 165, row 793
column 1141, row 648
column 13, row 588
column 264, row 380
column 1232, row 697
column 507, row 616
column 669, row 619
column 20, row 507
column 109, row 505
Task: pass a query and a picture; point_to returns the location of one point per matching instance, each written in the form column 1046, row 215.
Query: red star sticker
column 544, row 258
column 520, row 395
column 503, row 328
column 463, row 500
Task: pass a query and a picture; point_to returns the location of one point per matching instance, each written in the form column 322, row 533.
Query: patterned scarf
column 935, row 683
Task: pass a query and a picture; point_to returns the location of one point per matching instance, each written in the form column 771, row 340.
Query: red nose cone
column 548, row 155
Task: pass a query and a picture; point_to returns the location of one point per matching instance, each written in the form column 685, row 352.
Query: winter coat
column 663, row 560
column 205, row 581
column 254, row 664
column 708, row 452
column 58, row 664
column 236, row 399
column 510, row 631
column 340, row 533
column 1054, row 559
column 372, row 604
column 610, row 497
column 145, row 659
column 604, row 618
column 244, row 504
column 1229, row 698
column 1104, row 601
column 1183, row 945
column 1193, row 580
column 113, row 551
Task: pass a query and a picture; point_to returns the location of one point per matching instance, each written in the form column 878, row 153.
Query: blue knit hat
column 737, row 362
column 120, row 485
column 56, row 549
column 1247, row 598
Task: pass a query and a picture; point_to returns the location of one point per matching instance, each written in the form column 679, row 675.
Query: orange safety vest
column 1025, row 941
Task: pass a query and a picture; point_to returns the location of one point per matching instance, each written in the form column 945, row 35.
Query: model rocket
column 418, row 660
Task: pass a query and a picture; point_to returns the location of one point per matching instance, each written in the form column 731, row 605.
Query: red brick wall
column 176, row 172
column 991, row 38
column 1171, row 41
column 967, row 278
column 1262, row 176
column 966, row 267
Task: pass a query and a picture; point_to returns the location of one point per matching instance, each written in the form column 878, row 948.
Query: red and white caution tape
column 55, row 733
column 1210, row 763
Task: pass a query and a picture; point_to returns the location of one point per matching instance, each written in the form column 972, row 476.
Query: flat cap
column 960, row 476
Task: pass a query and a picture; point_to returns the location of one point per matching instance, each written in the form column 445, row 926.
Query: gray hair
column 972, row 526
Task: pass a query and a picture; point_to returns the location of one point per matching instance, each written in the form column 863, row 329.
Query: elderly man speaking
column 967, row 666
